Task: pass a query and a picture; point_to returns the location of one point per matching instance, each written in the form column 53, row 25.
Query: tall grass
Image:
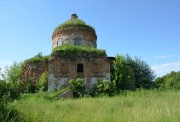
column 139, row 106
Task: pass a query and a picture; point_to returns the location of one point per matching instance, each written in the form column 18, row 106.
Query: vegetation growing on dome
column 73, row 22
column 77, row 51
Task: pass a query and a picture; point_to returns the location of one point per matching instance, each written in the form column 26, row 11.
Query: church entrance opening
column 80, row 71
column 80, row 68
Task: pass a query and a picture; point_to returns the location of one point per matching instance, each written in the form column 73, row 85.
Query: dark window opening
column 80, row 68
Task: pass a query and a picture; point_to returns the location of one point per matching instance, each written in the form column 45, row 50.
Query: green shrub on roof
column 37, row 59
column 77, row 51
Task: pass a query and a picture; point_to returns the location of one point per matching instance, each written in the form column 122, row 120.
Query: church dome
column 75, row 32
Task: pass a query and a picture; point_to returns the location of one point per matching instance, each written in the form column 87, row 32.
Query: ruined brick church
column 61, row 67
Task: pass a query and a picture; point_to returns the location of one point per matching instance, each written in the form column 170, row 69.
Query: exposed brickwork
column 33, row 71
column 65, row 67
column 87, row 33
column 82, row 33
column 68, row 68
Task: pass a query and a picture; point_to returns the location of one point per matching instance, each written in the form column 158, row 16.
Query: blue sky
column 148, row 29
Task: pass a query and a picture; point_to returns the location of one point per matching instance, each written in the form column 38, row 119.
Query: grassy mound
column 73, row 23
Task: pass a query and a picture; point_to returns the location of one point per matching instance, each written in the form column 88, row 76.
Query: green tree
column 13, row 73
column 123, row 75
column 3, row 88
column 159, row 82
column 143, row 74
column 169, row 81
column 12, row 76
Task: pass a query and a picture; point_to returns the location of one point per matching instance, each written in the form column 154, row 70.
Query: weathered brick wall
column 77, row 36
column 33, row 71
column 63, row 69
column 60, row 70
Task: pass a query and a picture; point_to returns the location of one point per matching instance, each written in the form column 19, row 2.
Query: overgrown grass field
column 139, row 106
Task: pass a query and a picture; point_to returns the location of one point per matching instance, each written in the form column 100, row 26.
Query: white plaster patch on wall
column 51, row 80
column 75, row 40
column 63, row 81
column 108, row 77
column 85, row 81
column 93, row 80
column 55, row 83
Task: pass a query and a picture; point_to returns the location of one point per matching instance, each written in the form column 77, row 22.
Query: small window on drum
column 80, row 68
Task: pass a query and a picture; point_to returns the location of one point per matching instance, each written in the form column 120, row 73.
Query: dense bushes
column 9, row 90
column 41, row 84
column 7, row 94
column 77, row 87
column 104, row 88
column 3, row 88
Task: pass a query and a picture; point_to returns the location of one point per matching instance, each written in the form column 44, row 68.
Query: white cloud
column 165, row 56
column 163, row 69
